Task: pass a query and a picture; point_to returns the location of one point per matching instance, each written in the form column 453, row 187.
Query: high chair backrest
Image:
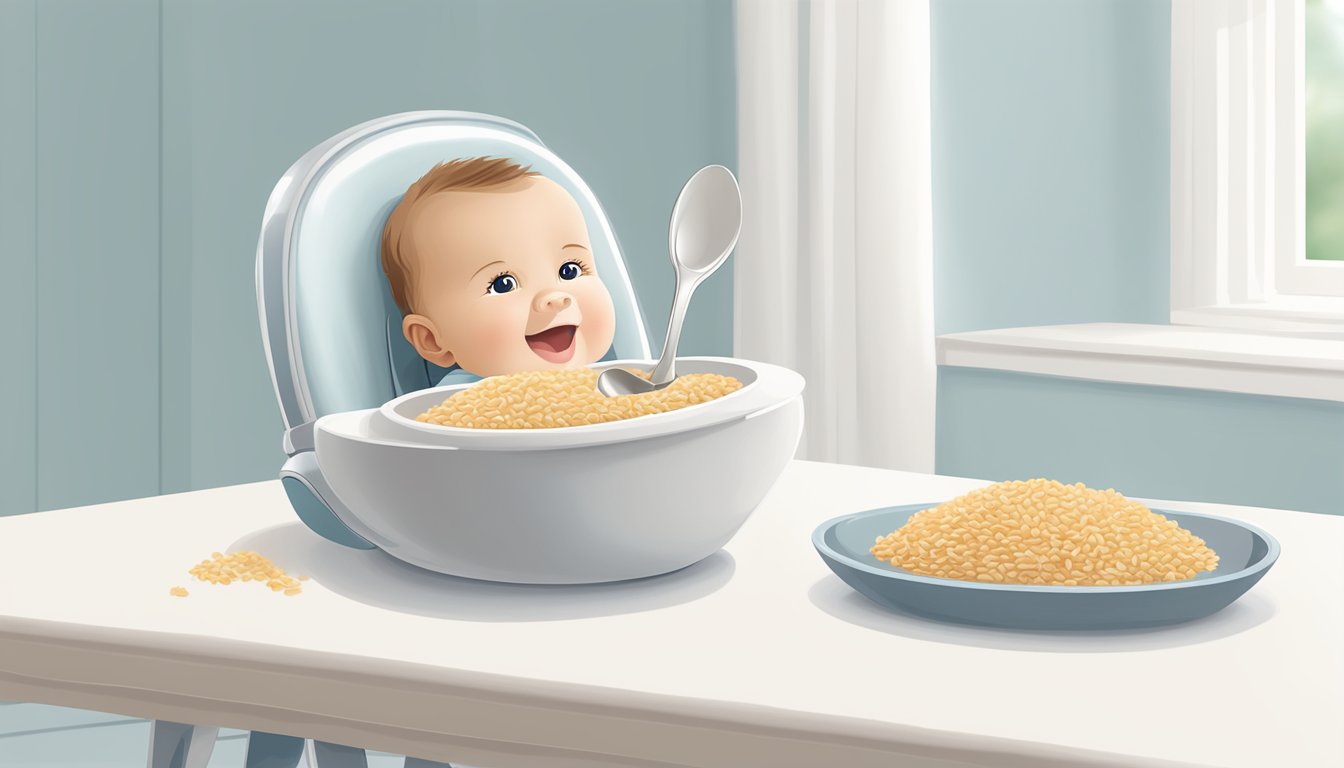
column 332, row 332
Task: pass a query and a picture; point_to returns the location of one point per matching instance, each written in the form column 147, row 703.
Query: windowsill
column 1217, row 359
column 1311, row 315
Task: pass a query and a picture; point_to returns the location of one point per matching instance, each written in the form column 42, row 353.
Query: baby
column 492, row 268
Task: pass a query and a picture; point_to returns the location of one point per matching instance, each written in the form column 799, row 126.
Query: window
column 1258, row 163
column 1325, row 130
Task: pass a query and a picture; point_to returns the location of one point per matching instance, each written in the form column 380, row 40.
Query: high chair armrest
column 299, row 439
column 315, row 502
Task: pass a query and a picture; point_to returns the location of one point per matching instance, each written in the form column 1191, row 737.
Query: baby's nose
column 552, row 301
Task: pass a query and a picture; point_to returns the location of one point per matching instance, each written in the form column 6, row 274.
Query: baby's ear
column 421, row 333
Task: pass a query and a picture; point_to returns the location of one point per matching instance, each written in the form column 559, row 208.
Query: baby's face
column 505, row 281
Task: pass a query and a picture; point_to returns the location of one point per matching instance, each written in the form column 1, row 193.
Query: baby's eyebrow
column 487, row 266
column 573, row 245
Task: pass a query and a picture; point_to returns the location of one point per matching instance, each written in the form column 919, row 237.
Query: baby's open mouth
column 554, row 345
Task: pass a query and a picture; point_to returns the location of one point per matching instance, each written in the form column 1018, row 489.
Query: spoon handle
column 666, row 369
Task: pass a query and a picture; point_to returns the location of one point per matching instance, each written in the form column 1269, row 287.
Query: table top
column 758, row 650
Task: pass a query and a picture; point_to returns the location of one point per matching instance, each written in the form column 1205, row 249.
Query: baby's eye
column 570, row 270
column 502, row 284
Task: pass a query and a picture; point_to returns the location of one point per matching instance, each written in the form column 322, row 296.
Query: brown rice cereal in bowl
column 1046, row 533
column 566, row 398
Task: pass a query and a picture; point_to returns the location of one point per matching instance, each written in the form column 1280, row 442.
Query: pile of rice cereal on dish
column 1044, row 532
column 566, row 398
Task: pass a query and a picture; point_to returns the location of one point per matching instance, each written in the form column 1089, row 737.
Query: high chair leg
column 178, row 745
column 420, row 762
column 323, row 754
column 272, row 750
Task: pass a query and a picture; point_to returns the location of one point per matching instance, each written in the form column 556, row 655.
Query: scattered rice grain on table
column 566, row 398
column 245, row 566
column 1047, row 533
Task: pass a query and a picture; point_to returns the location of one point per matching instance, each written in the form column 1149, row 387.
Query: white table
column 758, row 656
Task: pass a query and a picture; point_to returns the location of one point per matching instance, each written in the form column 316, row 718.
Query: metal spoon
column 705, row 224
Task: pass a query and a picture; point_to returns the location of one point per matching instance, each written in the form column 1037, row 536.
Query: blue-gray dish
column 1245, row 553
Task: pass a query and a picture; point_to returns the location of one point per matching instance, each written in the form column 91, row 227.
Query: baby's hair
column 471, row 173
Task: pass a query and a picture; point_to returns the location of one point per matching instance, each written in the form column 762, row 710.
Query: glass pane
column 1325, row 129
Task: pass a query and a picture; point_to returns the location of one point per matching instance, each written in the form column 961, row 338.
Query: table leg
column 272, row 750
column 178, row 745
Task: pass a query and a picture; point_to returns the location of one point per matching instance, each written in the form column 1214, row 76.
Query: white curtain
column 833, row 271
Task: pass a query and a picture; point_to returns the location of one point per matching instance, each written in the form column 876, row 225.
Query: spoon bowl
column 706, row 222
column 614, row 382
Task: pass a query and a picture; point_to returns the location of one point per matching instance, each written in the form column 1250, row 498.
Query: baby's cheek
column 500, row 332
column 495, row 339
column 599, row 321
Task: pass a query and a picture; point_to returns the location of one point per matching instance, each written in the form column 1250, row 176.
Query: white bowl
column 572, row 505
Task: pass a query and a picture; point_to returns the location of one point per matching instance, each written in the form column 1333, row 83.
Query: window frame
column 1238, row 169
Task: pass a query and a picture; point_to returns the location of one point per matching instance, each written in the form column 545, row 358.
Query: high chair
column 332, row 333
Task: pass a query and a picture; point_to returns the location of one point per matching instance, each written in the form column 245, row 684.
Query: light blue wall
column 1050, row 162
column 141, row 138
column 18, row 239
column 1157, row 442
column 1051, row 194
